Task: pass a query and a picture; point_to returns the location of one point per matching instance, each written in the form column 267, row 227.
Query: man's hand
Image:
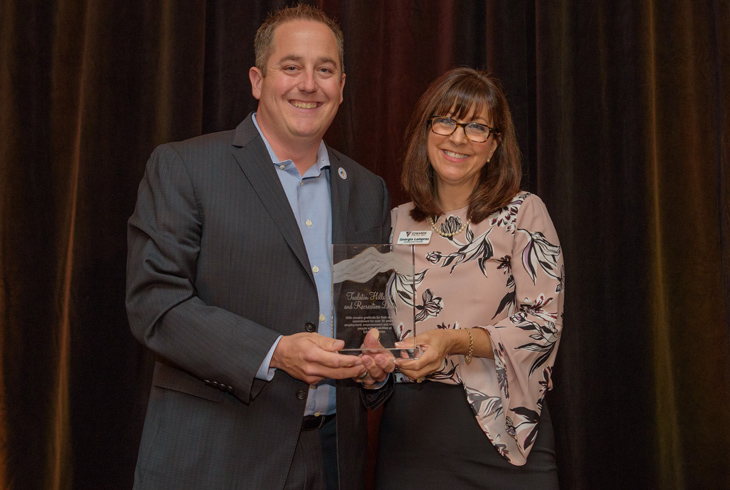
column 377, row 362
column 312, row 357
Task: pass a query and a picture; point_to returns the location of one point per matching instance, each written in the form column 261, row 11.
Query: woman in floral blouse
column 488, row 299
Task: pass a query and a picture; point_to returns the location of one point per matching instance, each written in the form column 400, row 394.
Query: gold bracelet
column 467, row 357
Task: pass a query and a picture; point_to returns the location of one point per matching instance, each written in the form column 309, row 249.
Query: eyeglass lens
column 445, row 126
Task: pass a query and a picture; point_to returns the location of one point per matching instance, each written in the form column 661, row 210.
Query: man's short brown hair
column 263, row 43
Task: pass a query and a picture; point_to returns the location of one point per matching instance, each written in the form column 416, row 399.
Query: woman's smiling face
column 455, row 159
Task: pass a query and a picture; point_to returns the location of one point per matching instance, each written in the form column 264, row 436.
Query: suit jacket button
column 301, row 395
column 310, row 327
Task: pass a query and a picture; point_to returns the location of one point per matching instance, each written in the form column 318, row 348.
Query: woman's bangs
column 460, row 101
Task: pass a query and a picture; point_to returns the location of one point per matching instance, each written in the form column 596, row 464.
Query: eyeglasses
column 475, row 132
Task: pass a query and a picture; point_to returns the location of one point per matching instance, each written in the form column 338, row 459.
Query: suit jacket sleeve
column 163, row 305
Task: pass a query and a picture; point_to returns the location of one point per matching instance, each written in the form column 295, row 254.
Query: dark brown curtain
column 623, row 114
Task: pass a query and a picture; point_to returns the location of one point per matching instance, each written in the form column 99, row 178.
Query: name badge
column 414, row 237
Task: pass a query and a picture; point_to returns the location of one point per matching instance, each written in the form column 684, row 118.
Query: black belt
column 312, row 422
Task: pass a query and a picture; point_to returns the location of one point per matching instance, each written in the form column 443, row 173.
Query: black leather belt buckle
column 314, row 422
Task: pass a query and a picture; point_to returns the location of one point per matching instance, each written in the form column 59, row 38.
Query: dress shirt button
column 308, row 222
column 282, row 167
column 322, row 318
column 301, row 395
column 310, row 327
column 315, row 269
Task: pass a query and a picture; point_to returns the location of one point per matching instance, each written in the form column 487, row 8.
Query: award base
column 396, row 352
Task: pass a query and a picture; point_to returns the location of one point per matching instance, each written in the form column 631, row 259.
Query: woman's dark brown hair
column 456, row 93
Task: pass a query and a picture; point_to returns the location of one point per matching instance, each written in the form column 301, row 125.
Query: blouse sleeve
column 525, row 343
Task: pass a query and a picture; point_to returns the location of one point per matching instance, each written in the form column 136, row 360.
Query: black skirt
column 430, row 439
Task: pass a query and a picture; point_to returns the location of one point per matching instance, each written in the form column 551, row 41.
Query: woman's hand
column 435, row 345
column 378, row 362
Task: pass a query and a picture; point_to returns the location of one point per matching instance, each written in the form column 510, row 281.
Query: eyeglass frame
column 490, row 131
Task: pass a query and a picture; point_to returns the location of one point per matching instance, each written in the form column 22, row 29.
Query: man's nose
column 308, row 83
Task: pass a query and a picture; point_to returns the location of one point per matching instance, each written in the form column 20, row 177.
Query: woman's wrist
column 459, row 341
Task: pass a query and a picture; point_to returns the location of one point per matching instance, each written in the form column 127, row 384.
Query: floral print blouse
column 505, row 275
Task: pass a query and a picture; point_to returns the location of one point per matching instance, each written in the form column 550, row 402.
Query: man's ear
column 256, row 77
column 342, row 89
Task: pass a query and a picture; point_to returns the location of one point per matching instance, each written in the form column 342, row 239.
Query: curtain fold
column 632, row 153
column 685, row 105
column 621, row 110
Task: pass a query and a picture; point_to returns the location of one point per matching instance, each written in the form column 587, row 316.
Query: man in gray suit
column 228, row 282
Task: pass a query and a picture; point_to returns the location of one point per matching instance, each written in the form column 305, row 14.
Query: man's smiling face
column 299, row 96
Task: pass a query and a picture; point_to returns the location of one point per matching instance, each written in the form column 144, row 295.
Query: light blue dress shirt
column 310, row 201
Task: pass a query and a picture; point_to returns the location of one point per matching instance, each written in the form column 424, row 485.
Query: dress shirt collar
column 323, row 158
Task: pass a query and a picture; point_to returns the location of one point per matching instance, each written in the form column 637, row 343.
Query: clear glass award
column 371, row 285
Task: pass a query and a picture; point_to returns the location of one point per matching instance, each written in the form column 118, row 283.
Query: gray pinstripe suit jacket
column 216, row 270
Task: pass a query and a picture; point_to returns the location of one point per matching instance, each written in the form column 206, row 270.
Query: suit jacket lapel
column 340, row 191
column 251, row 155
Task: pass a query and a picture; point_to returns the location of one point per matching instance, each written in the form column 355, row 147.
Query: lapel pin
column 343, row 174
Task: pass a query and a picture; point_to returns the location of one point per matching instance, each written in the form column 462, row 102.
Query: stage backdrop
column 623, row 114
